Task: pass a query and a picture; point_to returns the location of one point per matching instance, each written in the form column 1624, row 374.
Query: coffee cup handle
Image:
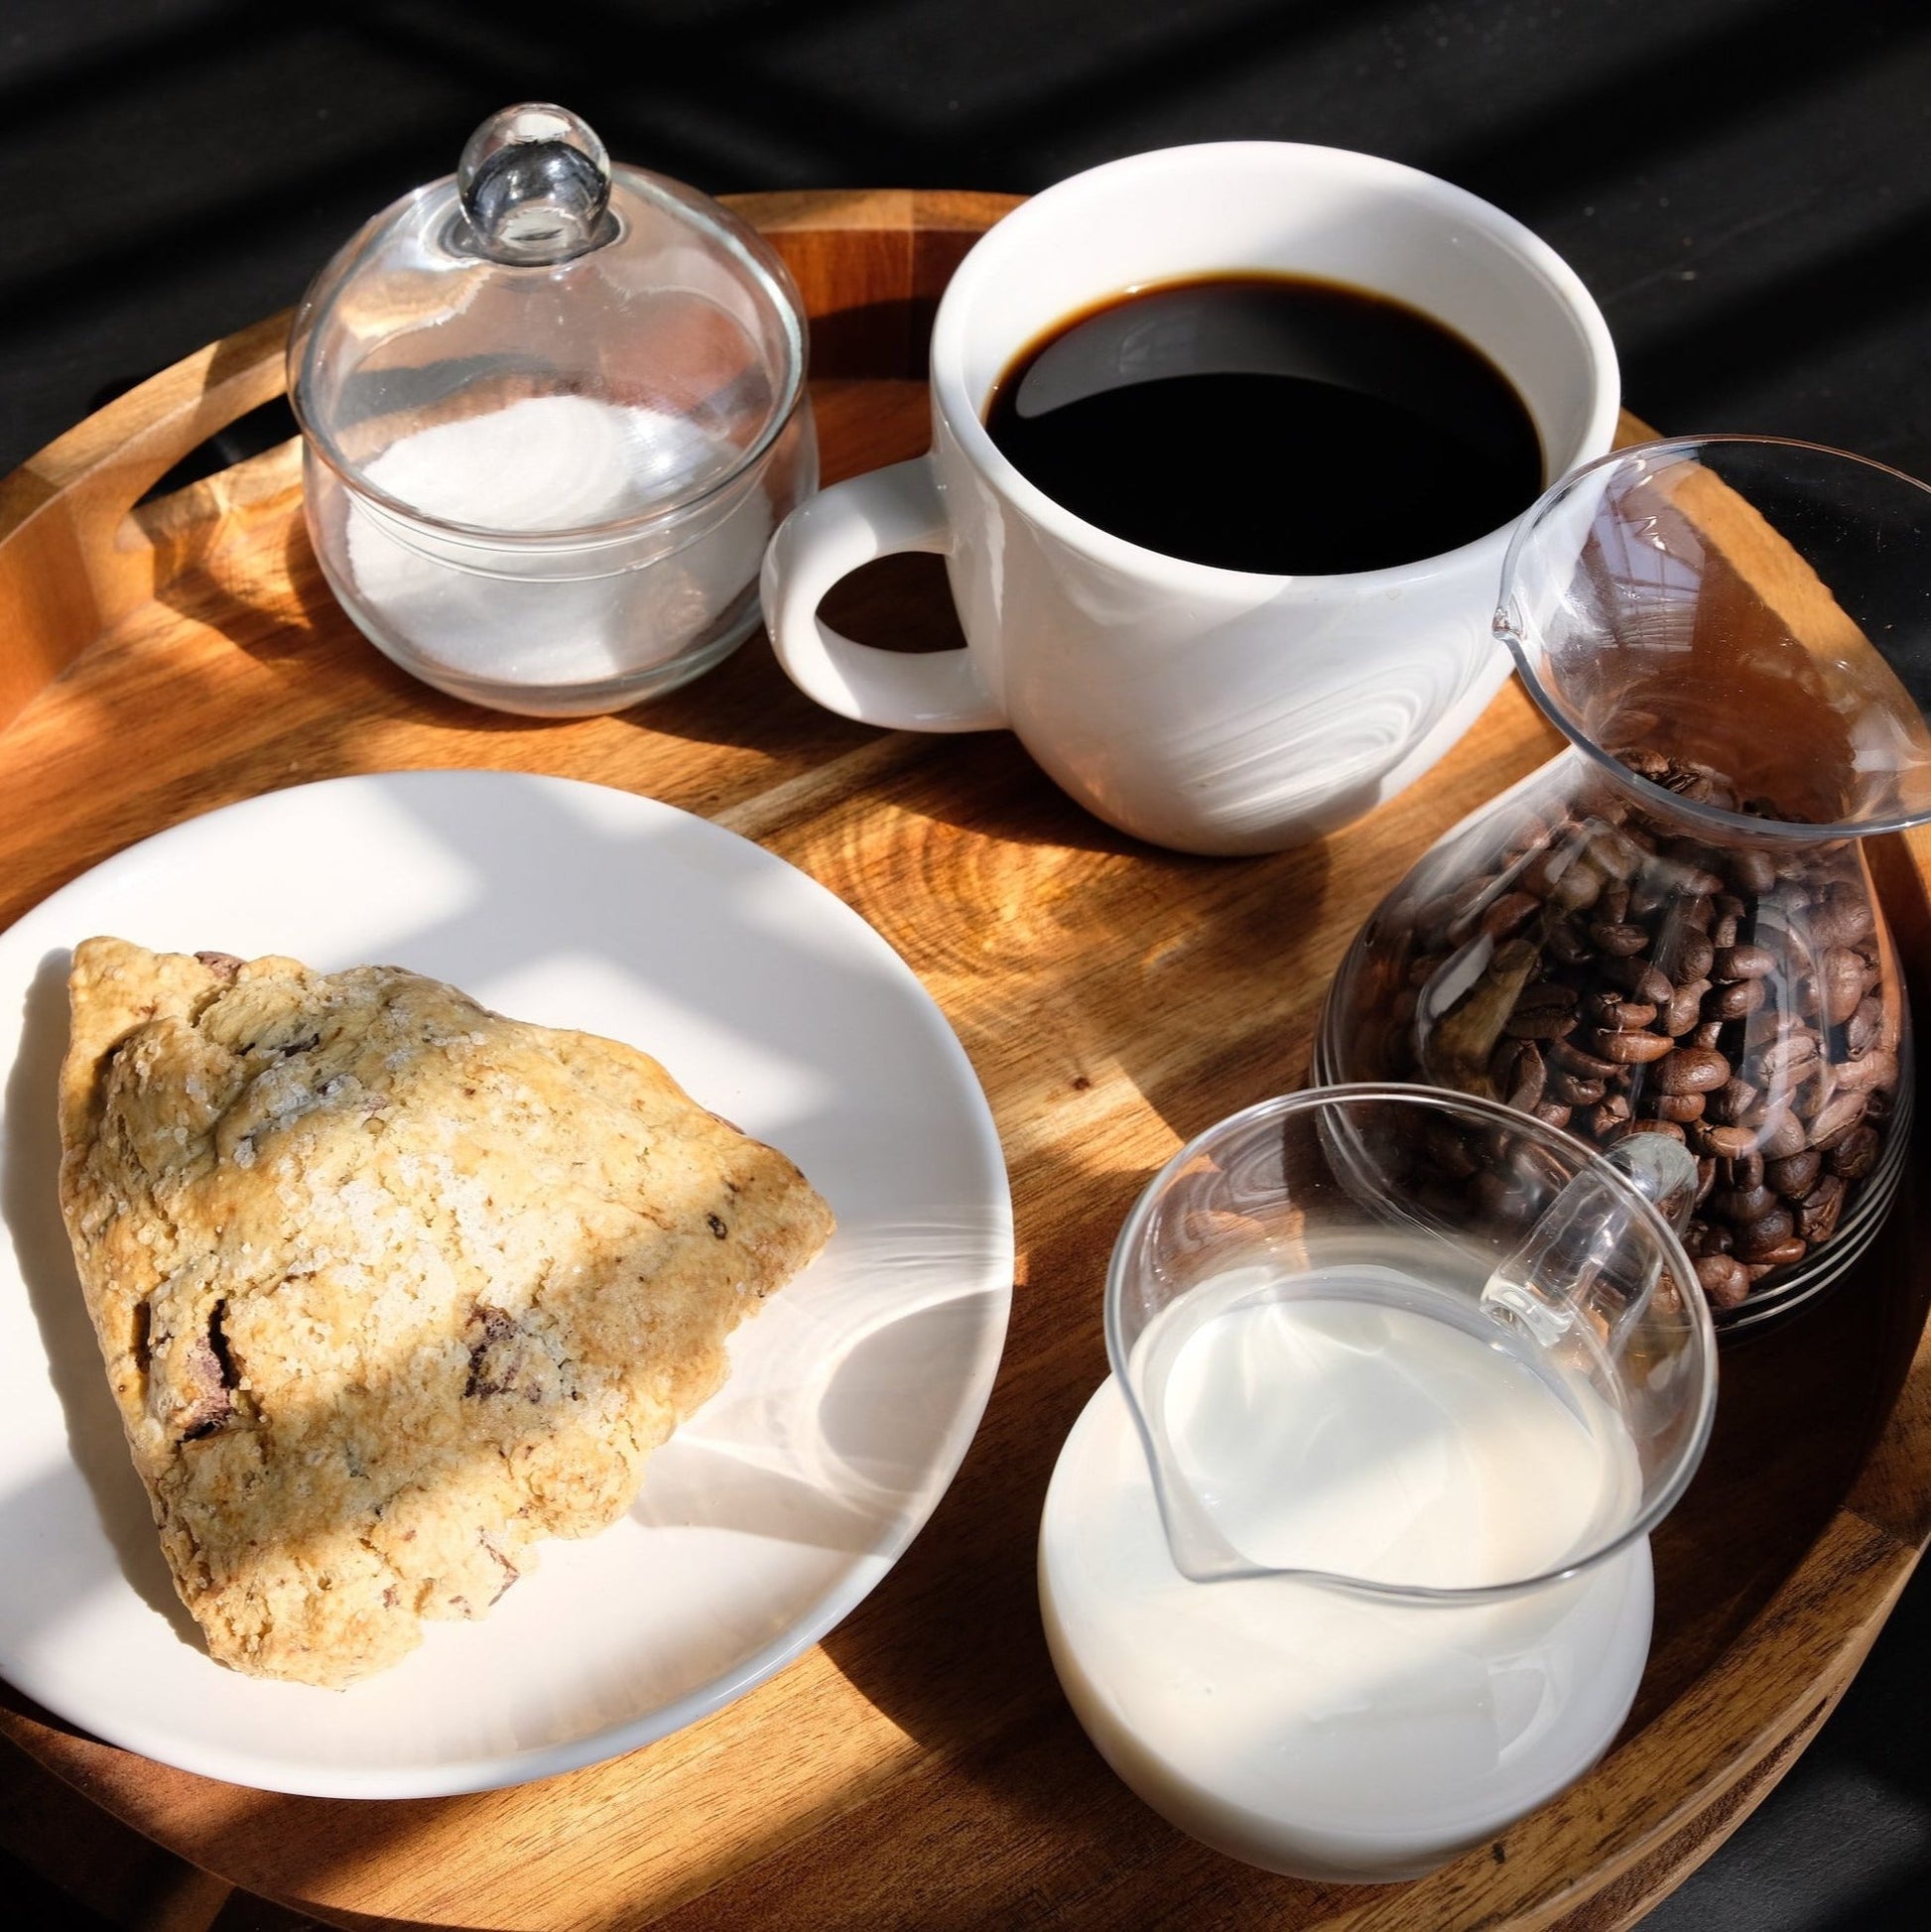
column 829, row 536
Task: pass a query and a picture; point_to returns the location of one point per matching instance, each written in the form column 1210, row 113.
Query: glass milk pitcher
column 1671, row 928
column 1346, row 1568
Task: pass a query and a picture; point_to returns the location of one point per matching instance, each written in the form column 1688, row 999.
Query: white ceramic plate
column 852, row 1396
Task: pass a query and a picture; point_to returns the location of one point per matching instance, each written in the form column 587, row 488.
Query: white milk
column 1308, row 1729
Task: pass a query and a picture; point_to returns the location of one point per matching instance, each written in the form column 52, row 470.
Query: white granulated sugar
column 548, row 462
column 551, row 463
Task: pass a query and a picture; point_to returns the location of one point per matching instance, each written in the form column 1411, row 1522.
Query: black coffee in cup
column 1269, row 422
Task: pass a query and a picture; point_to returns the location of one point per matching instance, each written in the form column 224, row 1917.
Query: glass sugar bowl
column 1671, row 928
column 552, row 411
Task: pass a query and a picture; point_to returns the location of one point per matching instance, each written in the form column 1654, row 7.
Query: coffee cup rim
column 962, row 415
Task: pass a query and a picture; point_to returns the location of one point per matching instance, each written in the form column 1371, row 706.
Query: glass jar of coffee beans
column 1671, row 928
column 1585, row 957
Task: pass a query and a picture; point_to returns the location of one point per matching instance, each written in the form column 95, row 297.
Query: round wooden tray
column 921, row 1768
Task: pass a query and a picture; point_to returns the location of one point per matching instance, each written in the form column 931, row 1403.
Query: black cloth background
column 1746, row 185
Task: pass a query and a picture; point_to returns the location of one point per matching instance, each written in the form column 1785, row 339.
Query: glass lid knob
column 535, row 186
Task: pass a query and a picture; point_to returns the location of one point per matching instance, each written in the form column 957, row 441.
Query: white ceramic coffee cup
column 1208, row 710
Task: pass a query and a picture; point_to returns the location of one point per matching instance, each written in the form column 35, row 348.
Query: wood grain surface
column 920, row 1768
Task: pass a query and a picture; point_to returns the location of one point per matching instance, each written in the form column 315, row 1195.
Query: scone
column 390, row 1287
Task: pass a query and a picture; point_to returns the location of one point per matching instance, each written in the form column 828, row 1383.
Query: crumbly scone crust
column 390, row 1287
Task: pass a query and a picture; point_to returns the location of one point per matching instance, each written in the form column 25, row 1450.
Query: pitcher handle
column 1566, row 1264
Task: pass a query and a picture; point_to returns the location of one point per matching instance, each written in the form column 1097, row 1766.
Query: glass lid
column 545, row 345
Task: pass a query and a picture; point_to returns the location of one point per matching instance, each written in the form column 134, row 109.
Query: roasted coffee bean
column 1545, row 1010
column 1734, row 1000
column 1629, row 1049
column 1520, row 1075
column 1679, row 1106
column 1435, row 916
column 1722, row 1279
column 1740, row 1205
column 1685, row 878
column 1811, row 1088
column 1780, row 1257
column 1552, row 1114
column 1865, row 1027
column 1727, row 1143
column 1744, row 962
column 1607, row 1118
column 1690, row 782
column 1520, row 854
column 1507, row 915
column 1756, row 1239
column 1746, row 1170
column 1689, row 956
column 1574, row 1090
column 1842, row 983
column 1541, row 1022
column 1585, row 1066
column 1578, row 889
column 1779, row 1136
column 1692, row 1070
column 1658, row 1126
column 1708, row 1238
column 1843, row 919
column 1424, row 967
column 1540, row 875
column 1795, row 1174
column 1615, row 855
column 1817, row 1212
column 1752, row 873
column 1707, row 1033
column 1566, row 944
column 1876, row 1069
column 1620, row 940
column 1797, row 1092
column 1533, row 1166
column 1856, row 1154
column 1829, row 1124
column 1730, row 1101
column 1683, row 1009
column 1722, row 930
column 1636, row 977
column 1782, row 1059
column 1615, row 1014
